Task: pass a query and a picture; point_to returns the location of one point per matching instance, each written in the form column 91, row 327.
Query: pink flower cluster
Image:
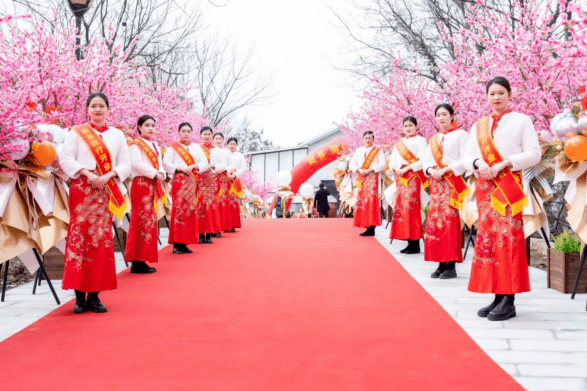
column 543, row 61
column 42, row 82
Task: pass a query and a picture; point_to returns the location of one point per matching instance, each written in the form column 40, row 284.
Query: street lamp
column 79, row 8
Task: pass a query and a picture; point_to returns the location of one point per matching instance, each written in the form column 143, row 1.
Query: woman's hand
column 499, row 167
column 231, row 177
column 95, row 180
column 403, row 170
column 434, row 173
column 484, row 170
column 160, row 176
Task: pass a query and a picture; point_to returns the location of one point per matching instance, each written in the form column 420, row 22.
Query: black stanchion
column 579, row 273
column 547, row 240
column 471, row 233
column 119, row 241
column 5, row 281
column 45, row 275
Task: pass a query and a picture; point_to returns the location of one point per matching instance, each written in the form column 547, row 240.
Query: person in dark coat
column 321, row 201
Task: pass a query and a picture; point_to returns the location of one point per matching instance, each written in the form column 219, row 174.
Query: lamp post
column 79, row 8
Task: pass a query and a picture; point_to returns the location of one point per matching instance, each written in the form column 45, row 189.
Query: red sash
column 185, row 155
column 117, row 204
column 237, row 186
column 409, row 157
column 366, row 164
column 152, row 156
column 458, row 184
column 509, row 189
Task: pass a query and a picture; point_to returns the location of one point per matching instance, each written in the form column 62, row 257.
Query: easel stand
column 579, row 273
column 41, row 273
column 470, row 241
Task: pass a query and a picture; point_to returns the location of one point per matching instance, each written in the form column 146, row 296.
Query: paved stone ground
column 544, row 347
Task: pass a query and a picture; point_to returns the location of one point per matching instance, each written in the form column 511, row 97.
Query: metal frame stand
column 45, row 275
column 119, row 241
column 470, row 241
column 579, row 273
column 5, row 280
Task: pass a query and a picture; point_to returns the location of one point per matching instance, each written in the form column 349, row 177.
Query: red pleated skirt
column 499, row 264
column 406, row 222
column 208, row 205
column 236, row 211
column 225, row 208
column 368, row 212
column 443, row 226
column 141, row 242
column 89, row 252
column 183, row 227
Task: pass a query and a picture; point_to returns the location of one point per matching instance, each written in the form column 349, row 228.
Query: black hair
column 232, row 139
column 142, row 120
column 368, row 132
column 411, row 119
column 446, row 106
column 206, row 128
column 97, row 95
column 502, row 81
column 185, row 124
column 321, row 185
column 218, row 134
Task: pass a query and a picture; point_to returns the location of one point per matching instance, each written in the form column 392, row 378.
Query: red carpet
column 281, row 305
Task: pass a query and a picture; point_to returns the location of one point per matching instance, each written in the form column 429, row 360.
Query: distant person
column 321, row 201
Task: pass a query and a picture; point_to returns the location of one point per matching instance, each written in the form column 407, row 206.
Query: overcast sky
column 295, row 41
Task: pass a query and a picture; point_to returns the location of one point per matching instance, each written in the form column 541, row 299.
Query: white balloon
column 343, row 166
column 566, row 125
column 582, row 123
column 546, row 136
column 283, row 178
column 306, row 190
column 555, row 120
column 24, row 148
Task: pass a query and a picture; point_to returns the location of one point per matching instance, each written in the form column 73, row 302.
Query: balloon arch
column 312, row 163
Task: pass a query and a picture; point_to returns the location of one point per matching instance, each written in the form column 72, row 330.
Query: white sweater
column 515, row 138
column 172, row 161
column 140, row 163
column 237, row 162
column 417, row 145
column 220, row 157
column 453, row 151
column 359, row 158
column 75, row 155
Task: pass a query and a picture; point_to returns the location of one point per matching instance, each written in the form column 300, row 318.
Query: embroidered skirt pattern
column 183, row 227
column 367, row 211
column 141, row 243
column 406, row 222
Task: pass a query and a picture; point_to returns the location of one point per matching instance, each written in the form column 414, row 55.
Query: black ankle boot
column 414, row 247
column 177, row 248
column 233, row 229
column 437, row 272
column 483, row 312
column 80, row 302
column 407, row 248
column 209, row 239
column 93, row 304
column 141, row 267
column 369, row 232
column 449, row 272
column 504, row 310
column 186, row 249
column 202, row 239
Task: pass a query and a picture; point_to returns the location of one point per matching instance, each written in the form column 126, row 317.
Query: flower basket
column 563, row 266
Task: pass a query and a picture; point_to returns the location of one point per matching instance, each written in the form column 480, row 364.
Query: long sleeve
column 458, row 167
column 531, row 153
column 241, row 166
column 199, row 156
column 428, row 161
column 421, row 151
column 122, row 165
column 379, row 163
column 140, row 166
column 67, row 156
column 354, row 164
column 393, row 160
column 169, row 161
column 160, row 160
column 472, row 151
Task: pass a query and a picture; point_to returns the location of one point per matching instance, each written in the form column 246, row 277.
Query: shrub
column 567, row 242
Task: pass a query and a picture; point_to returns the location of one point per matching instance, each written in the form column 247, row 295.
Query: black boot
column 233, row 229
column 449, row 272
column 437, row 272
column 369, row 232
column 414, row 248
column 140, row 267
column 407, row 248
column 93, row 304
column 80, row 302
column 177, row 248
column 218, row 235
column 504, row 310
column 202, row 239
column 483, row 312
column 209, row 238
column 186, row 249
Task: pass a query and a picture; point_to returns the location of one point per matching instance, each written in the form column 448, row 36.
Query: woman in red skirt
column 406, row 162
column 367, row 162
column 236, row 168
column 442, row 163
column 500, row 146
column 208, row 187
column 96, row 159
column 222, row 171
column 146, row 195
column 183, row 162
